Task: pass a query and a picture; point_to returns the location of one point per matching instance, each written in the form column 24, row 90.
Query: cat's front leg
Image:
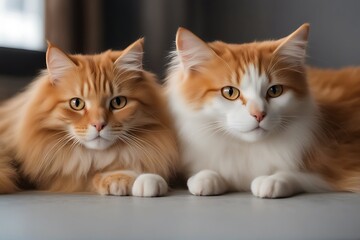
column 286, row 184
column 8, row 174
column 149, row 185
column 124, row 182
column 117, row 183
column 207, row 183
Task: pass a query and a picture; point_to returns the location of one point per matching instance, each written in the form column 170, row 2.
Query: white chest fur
column 239, row 162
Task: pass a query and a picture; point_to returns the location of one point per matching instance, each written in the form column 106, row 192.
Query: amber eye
column 77, row 104
column 275, row 91
column 118, row 102
column 230, row 93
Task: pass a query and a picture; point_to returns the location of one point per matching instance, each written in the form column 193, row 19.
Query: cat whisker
column 59, row 140
column 59, row 144
column 136, row 147
column 144, row 146
column 144, row 142
column 212, row 128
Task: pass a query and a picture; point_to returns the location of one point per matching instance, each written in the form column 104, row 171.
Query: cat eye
column 118, row 102
column 275, row 91
column 77, row 104
column 230, row 93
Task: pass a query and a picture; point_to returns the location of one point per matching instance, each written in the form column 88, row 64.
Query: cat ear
column 57, row 62
column 191, row 50
column 131, row 58
column 293, row 47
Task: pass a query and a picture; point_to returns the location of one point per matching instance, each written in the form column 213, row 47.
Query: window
column 22, row 24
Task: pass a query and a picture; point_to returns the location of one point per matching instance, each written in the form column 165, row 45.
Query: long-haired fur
column 309, row 139
column 41, row 137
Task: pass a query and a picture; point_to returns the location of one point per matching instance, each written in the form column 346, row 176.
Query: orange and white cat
column 89, row 123
column 253, row 117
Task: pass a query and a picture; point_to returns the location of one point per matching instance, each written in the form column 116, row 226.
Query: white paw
column 149, row 185
column 271, row 187
column 206, row 183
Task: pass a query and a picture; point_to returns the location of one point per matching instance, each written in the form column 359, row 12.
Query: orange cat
column 253, row 117
column 89, row 123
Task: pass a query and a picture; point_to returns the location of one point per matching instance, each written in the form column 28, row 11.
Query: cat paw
column 206, row 183
column 271, row 187
column 149, row 185
column 115, row 183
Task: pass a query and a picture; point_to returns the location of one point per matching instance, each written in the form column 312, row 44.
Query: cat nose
column 257, row 110
column 259, row 116
column 99, row 126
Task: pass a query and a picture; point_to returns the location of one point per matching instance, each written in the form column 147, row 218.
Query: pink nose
column 99, row 126
column 258, row 115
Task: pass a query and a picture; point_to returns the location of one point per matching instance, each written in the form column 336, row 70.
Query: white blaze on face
column 253, row 87
column 240, row 118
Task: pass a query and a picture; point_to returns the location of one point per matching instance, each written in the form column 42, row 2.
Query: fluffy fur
column 304, row 140
column 128, row 149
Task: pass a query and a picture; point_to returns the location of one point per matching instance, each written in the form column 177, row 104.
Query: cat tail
column 8, row 176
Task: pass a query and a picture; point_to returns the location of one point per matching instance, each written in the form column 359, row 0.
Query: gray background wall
column 334, row 36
